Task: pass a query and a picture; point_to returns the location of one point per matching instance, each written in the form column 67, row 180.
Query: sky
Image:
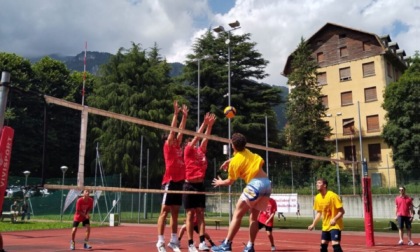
column 31, row 28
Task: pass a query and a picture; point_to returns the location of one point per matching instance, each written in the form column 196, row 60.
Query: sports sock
column 324, row 248
column 337, row 248
column 201, row 238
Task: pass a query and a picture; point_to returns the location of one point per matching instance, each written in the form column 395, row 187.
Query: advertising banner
column 6, row 141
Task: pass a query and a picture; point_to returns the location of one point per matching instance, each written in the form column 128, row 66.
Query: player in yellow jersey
column 328, row 205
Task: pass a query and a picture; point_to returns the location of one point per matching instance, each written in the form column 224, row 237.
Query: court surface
column 142, row 237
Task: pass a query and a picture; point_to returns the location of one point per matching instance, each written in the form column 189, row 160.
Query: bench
column 216, row 222
column 7, row 215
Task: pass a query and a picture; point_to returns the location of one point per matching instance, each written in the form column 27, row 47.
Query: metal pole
column 266, row 145
column 62, row 194
column 336, row 151
column 141, row 168
column 389, row 178
column 4, row 90
column 198, row 94
column 360, row 132
column 229, row 131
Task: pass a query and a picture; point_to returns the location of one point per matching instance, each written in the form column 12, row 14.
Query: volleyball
column 230, row 112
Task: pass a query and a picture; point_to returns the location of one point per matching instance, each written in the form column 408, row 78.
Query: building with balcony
column 354, row 69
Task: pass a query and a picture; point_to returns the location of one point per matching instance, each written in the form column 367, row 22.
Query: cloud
column 42, row 27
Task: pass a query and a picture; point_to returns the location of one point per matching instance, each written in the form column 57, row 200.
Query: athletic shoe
column 273, row 248
column 161, row 247
column 410, row 243
column 400, row 242
column 249, row 249
column 72, row 247
column 86, row 245
column 174, row 246
column 203, row 247
column 192, row 248
column 226, row 247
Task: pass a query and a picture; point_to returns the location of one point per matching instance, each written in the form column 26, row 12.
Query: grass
column 353, row 224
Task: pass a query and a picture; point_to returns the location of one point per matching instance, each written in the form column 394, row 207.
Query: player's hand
column 216, row 181
column 310, row 227
column 333, row 222
column 225, row 165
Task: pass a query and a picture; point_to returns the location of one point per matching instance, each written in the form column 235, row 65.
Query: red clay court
column 142, row 237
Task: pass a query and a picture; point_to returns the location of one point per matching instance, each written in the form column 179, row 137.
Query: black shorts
column 332, row 235
column 267, row 228
column 172, row 199
column 194, row 200
column 404, row 221
column 84, row 223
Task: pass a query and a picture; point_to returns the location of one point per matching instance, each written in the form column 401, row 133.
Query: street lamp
column 198, row 87
column 63, row 169
column 336, row 151
column 26, row 173
column 235, row 25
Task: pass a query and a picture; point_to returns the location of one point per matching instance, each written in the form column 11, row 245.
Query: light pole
column 235, row 25
column 26, row 173
column 198, row 87
column 336, row 151
column 63, row 169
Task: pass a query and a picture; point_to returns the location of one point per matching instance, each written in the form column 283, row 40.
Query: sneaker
column 72, row 247
column 273, row 248
column 410, row 243
column 86, row 245
column 249, row 249
column 161, row 247
column 174, row 246
column 192, row 248
column 400, row 242
column 203, row 247
column 227, row 247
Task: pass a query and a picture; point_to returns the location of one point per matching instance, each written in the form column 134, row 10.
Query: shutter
column 345, row 74
column 368, row 69
column 372, row 123
column 346, row 98
column 322, row 78
column 370, row 94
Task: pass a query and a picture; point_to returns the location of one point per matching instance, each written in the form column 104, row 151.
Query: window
column 344, row 52
column 368, row 69
column 374, row 152
column 370, row 94
column 324, row 100
column 345, row 74
column 346, row 98
column 350, row 153
column 348, row 126
column 366, row 46
column 320, row 57
column 322, row 78
column 372, row 123
column 389, row 69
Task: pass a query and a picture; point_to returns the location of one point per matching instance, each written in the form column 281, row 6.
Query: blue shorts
column 332, row 235
column 257, row 188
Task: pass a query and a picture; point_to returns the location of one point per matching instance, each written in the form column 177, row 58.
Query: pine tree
column 306, row 131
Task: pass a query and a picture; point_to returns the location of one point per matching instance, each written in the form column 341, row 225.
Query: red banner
column 6, row 141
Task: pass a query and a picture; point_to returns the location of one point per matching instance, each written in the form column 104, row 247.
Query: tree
column 252, row 100
column 402, row 130
column 306, row 131
column 136, row 83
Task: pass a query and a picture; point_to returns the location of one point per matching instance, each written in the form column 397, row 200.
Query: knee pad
column 337, row 248
column 324, row 247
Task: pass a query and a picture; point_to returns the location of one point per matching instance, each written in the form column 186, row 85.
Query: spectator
column 404, row 215
column 14, row 211
column 298, row 210
column 83, row 207
column 281, row 214
column 24, row 211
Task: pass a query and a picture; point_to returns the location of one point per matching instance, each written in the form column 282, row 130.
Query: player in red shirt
column 83, row 206
column 266, row 219
column 195, row 171
column 404, row 215
column 173, row 180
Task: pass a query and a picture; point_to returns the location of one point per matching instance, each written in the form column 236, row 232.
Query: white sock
column 161, row 239
column 174, row 238
column 249, row 244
